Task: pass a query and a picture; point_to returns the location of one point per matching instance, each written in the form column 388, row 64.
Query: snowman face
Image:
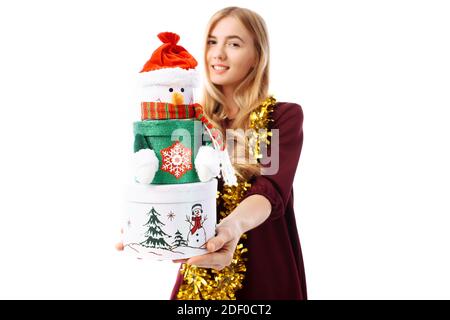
column 176, row 94
column 197, row 212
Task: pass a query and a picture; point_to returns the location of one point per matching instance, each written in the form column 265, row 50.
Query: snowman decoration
column 196, row 237
column 169, row 77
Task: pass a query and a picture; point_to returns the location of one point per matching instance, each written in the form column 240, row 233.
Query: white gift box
column 169, row 221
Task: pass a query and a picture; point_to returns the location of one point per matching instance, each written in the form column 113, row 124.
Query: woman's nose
column 219, row 53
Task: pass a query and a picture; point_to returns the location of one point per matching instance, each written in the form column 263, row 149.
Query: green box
column 162, row 134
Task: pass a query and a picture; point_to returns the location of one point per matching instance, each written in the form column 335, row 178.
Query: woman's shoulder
column 287, row 111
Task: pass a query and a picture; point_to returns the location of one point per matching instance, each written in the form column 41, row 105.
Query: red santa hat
column 170, row 64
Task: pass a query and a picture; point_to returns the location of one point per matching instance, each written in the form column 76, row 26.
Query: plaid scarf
column 166, row 111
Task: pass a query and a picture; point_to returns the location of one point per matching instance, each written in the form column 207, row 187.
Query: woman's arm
column 268, row 195
column 249, row 214
column 277, row 188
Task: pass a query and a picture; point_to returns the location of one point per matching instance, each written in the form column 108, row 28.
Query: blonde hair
column 248, row 95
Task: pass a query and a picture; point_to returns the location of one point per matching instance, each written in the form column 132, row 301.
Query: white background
column 372, row 188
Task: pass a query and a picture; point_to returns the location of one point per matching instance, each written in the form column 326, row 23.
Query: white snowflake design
column 176, row 159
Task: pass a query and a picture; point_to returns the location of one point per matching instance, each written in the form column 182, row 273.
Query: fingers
column 220, row 255
column 214, row 266
column 119, row 245
column 211, row 260
column 216, row 243
column 180, row 261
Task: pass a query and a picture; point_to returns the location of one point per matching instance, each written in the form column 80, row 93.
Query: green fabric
column 140, row 143
column 157, row 135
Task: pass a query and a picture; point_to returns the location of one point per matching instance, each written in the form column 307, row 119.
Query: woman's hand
column 221, row 247
column 250, row 213
column 119, row 245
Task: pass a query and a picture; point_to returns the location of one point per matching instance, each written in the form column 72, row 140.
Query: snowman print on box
column 197, row 235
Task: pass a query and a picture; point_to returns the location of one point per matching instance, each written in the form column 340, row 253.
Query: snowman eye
column 182, row 89
column 171, row 90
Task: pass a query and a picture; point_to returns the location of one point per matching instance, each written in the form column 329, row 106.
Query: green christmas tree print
column 155, row 235
column 179, row 241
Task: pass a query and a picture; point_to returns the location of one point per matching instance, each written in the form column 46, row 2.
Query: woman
column 237, row 79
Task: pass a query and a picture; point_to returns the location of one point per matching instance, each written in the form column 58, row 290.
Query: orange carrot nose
column 177, row 98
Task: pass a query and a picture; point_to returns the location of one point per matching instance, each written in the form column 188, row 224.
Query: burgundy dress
column 275, row 265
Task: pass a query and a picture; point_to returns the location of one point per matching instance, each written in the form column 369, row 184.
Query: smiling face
column 230, row 53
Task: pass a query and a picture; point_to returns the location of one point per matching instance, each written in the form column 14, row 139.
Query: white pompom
column 207, row 163
column 145, row 165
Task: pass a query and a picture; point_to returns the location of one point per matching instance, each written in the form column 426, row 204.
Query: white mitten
column 207, row 163
column 145, row 165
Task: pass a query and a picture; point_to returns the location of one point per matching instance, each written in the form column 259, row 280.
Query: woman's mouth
column 219, row 69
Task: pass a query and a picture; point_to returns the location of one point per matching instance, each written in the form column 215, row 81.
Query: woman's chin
column 220, row 81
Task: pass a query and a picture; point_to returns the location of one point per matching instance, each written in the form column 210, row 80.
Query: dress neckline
column 227, row 122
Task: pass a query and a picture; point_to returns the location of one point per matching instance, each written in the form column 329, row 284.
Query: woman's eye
column 234, row 44
column 182, row 89
column 211, row 42
column 171, row 90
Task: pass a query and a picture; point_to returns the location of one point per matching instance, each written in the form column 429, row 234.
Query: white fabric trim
column 169, row 76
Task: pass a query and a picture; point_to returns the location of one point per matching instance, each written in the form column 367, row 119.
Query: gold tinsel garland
column 209, row 284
